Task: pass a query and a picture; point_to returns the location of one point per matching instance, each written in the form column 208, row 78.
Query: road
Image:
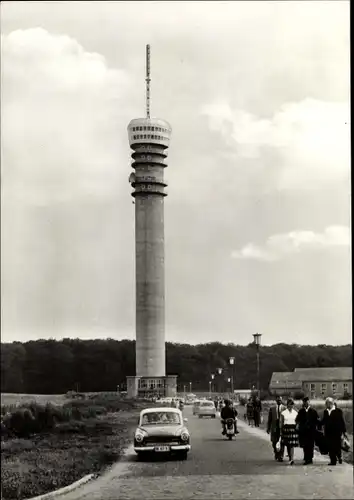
column 216, row 468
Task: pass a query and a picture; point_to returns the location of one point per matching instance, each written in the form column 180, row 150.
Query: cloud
column 282, row 245
column 60, row 108
column 311, row 140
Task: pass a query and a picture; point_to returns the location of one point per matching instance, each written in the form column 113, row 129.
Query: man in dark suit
column 308, row 422
column 273, row 427
column 334, row 427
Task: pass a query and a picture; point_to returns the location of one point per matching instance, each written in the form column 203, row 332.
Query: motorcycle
column 230, row 428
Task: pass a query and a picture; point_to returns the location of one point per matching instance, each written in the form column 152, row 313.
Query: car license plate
column 162, row 448
column 230, row 431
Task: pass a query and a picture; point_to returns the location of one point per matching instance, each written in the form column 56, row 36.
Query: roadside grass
column 87, row 436
column 345, row 406
column 13, row 399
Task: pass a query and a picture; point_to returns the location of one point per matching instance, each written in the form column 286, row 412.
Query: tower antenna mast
column 148, row 80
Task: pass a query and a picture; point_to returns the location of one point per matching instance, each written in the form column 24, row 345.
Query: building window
column 323, row 389
column 144, row 136
column 345, row 387
column 312, row 387
column 334, row 389
column 144, row 128
column 149, row 157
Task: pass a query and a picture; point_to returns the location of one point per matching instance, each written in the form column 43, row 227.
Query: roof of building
column 285, row 378
column 325, row 374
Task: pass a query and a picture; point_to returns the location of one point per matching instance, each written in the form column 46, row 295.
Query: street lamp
column 210, row 389
column 257, row 341
column 219, row 384
column 190, row 387
column 232, row 363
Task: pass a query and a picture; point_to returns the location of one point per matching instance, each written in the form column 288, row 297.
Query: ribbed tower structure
column 149, row 139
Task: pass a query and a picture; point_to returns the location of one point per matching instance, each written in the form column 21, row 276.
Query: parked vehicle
column 206, row 409
column 162, row 430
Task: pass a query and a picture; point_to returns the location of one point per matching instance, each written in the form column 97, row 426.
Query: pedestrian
column 250, row 411
column 273, row 428
column 288, row 431
column 307, row 421
column 334, row 428
column 257, row 409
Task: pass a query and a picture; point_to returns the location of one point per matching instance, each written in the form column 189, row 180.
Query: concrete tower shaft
column 149, row 139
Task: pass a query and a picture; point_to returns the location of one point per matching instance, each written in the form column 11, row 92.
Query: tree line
column 55, row 367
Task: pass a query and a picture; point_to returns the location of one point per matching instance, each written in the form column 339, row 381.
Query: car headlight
column 140, row 435
column 185, row 436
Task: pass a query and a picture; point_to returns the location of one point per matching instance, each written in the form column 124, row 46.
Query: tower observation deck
column 149, row 139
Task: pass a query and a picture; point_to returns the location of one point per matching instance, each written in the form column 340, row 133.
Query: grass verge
column 73, row 448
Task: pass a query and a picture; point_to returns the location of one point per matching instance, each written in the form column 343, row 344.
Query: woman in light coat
column 288, row 429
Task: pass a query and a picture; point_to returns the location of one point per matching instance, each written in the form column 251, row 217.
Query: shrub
column 264, row 395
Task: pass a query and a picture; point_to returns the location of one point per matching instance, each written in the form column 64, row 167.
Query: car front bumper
column 174, row 447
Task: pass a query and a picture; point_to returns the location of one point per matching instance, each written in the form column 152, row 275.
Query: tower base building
column 146, row 387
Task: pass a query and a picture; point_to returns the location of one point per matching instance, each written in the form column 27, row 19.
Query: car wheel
column 182, row 455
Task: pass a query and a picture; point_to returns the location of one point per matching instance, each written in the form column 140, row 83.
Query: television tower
column 149, row 139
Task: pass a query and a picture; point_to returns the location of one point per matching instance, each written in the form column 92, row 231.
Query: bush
column 299, row 394
column 264, row 395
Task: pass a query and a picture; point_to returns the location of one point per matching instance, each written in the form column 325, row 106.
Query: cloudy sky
column 258, row 212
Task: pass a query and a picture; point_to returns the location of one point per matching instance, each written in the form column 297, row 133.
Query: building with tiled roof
column 313, row 382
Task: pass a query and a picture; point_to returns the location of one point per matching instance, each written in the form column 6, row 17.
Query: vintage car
column 206, row 409
column 162, row 430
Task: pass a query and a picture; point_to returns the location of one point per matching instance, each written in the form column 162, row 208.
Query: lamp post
column 257, row 341
column 220, row 373
column 190, row 387
column 184, row 392
column 210, row 389
column 232, row 363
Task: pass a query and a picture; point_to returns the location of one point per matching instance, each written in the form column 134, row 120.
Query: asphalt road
column 217, row 468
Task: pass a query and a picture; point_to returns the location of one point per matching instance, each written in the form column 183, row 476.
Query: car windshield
column 160, row 417
column 207, row 404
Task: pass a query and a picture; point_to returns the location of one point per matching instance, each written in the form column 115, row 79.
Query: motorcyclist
column 228, row 412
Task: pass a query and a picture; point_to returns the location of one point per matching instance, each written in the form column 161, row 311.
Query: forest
column 56, row 367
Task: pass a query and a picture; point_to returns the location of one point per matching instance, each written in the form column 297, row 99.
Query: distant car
column 196, row 405
column 162, row 430
column 206, row 409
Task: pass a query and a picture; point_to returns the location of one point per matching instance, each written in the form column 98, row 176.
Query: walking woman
column 289, row 435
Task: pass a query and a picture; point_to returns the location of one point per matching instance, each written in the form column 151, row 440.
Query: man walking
column 308, row 422
column 257, row 409
column 273, row 427
column 334, row 428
